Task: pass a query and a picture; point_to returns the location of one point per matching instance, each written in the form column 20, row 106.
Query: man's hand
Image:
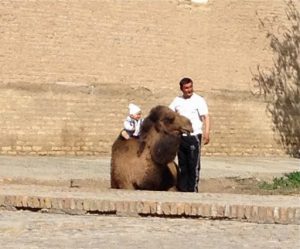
column 205, row 120
column 206, row 138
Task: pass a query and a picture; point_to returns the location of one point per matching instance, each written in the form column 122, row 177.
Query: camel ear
column 154, row 114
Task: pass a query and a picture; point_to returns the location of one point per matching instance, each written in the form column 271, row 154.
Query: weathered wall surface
column 68, row 70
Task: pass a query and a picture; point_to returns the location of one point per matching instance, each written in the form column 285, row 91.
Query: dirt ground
column 237, row 185
column 233, row 185
column 218, row 175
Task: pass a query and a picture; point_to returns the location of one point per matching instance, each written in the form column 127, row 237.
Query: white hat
column 133, row 109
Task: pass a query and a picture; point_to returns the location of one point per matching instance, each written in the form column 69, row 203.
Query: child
column 133, row 122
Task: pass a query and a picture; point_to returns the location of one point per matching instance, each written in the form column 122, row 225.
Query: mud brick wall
column 68, row 70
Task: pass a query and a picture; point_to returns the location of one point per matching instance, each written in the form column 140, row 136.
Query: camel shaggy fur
column 148, row 163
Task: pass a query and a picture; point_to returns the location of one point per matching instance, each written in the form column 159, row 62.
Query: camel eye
column 169, row 120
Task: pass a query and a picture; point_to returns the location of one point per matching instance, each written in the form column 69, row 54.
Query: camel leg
column 173, row 189
column 173, row 167
column 122, row 185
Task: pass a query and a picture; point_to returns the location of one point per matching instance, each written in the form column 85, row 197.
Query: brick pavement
column 251, row 208
column 28, row 230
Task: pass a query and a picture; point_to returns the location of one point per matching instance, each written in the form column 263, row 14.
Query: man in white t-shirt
column 194, row 107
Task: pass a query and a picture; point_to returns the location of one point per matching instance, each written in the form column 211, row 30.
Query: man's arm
column 172, row 106
column 205, row 120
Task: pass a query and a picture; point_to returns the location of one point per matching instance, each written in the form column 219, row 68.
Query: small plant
column 288, row 181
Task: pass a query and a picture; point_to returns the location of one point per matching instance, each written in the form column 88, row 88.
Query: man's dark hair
column 185, row 81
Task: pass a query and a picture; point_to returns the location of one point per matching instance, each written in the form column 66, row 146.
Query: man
column 194, row 107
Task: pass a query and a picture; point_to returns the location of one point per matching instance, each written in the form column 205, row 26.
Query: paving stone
column 27, row 230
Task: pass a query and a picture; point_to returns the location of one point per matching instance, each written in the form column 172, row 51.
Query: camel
column 147, row 163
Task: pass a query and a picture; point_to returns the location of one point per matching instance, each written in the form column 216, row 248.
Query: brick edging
column 248, row 213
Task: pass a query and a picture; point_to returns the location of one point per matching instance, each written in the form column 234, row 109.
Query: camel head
column 161, row 131
column 164, row 120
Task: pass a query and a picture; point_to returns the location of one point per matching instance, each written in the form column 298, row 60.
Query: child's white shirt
column 133, row 126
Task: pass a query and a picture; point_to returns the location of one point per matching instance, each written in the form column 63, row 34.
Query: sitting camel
column 148, row 163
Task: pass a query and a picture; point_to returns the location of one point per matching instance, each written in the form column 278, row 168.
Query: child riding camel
column 132, row 123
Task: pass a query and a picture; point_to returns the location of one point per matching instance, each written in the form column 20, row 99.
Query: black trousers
column 189, row 163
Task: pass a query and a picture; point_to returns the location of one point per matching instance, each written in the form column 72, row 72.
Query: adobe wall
column 68, row 70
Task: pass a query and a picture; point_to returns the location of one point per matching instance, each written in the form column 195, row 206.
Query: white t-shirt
column 192, row 108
